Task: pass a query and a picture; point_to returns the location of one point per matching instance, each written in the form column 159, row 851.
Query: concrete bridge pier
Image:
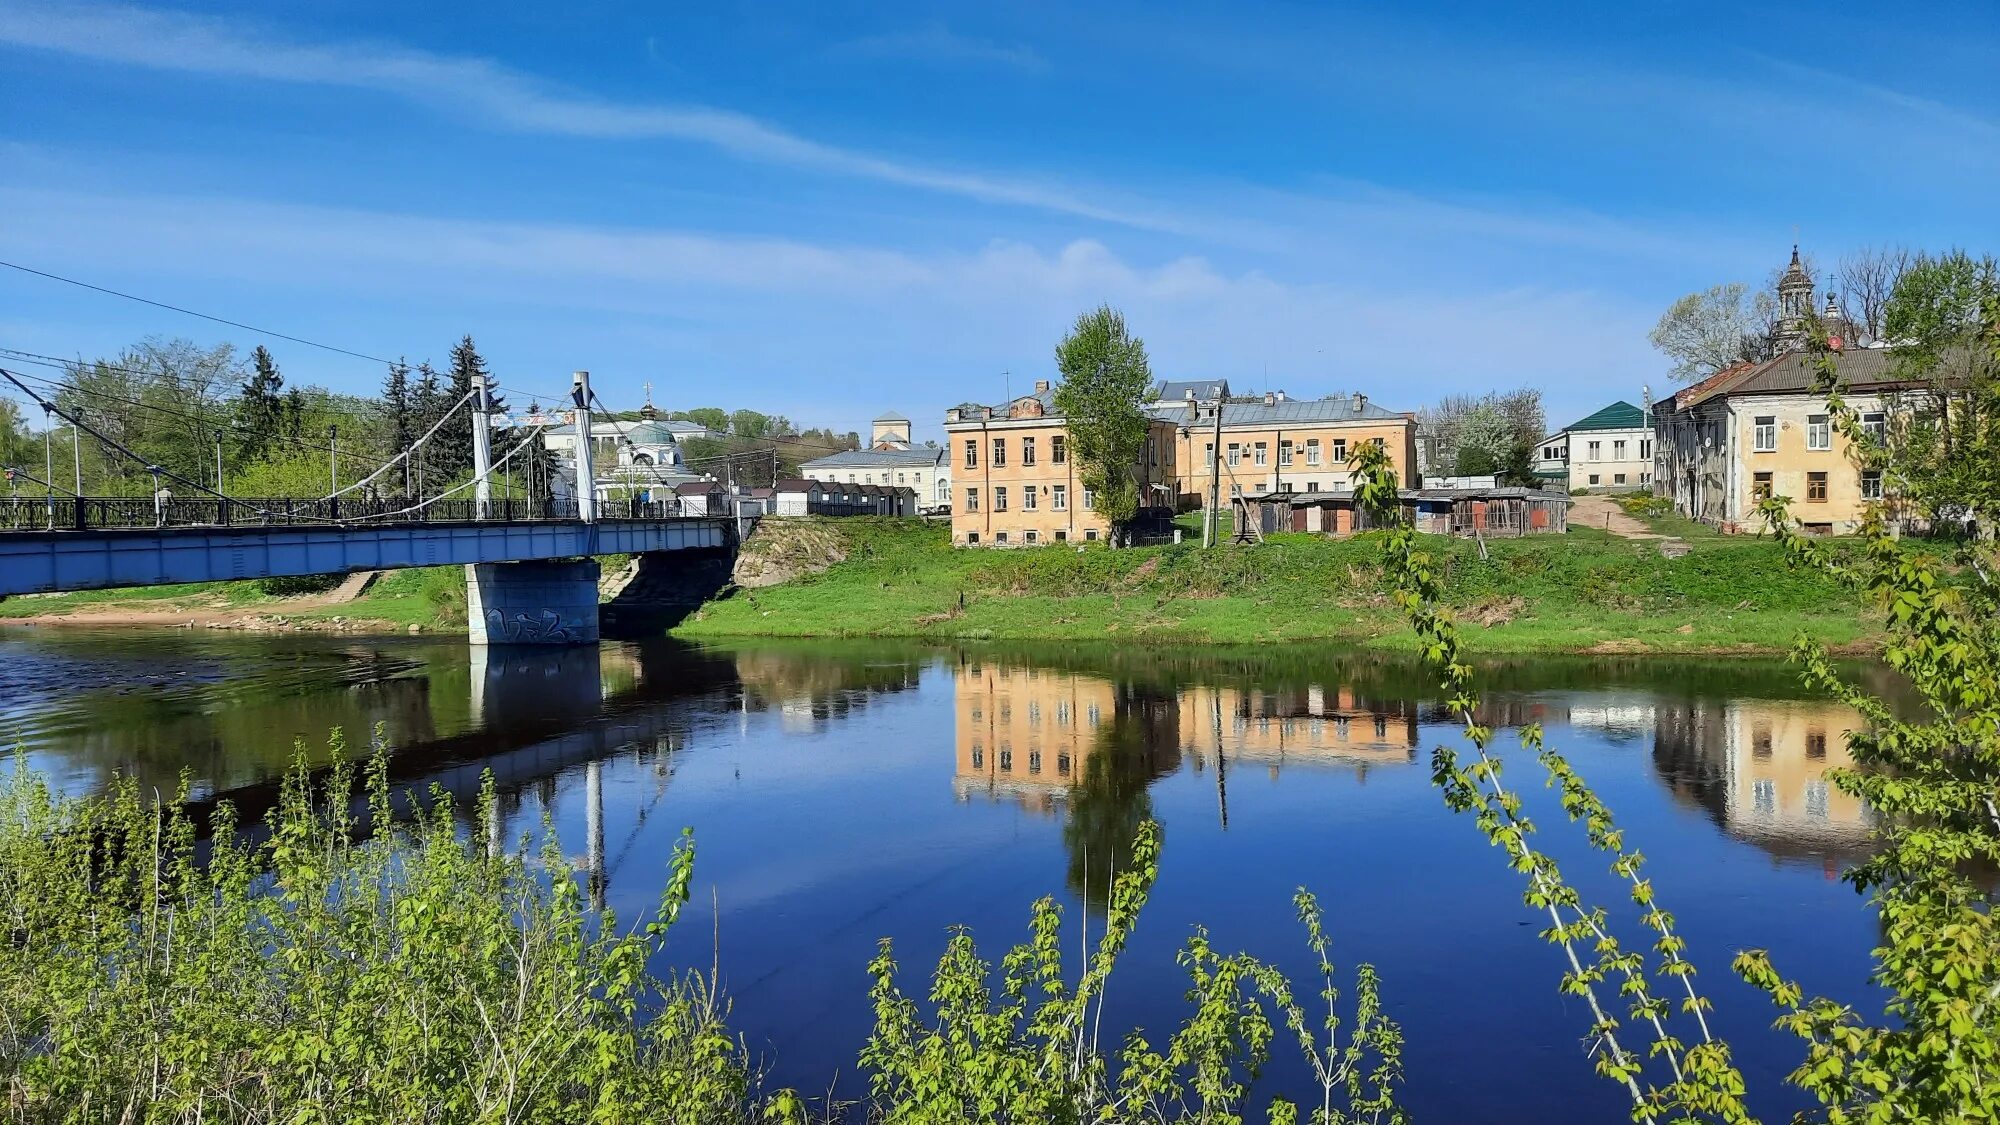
column 538, row 602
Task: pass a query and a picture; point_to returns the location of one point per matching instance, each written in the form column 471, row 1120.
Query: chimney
column 1281, row 396
column 1190, row 394
column 1270, row 399
column 1360, row 400
column 1041, row 385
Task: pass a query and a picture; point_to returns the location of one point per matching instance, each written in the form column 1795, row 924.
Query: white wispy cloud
column 937, row 43
column 936, row 323
column 501, row 96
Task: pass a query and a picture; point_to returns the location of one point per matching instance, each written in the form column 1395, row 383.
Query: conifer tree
column 396, row 401
column 455, row 440
column 260, row 413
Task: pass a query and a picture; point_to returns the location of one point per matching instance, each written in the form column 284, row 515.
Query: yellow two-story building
column 1016, row 484
column 1273, row 443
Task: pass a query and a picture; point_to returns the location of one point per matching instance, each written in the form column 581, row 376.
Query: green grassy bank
column 1581, row 592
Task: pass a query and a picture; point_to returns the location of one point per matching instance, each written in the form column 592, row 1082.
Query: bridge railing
column 92, row 513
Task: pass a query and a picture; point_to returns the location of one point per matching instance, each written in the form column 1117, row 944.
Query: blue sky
column 827, row 210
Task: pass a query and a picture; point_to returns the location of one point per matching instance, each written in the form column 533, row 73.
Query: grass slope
column 1582, row 592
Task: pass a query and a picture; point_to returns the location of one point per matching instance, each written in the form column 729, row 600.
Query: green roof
column 1620, row 415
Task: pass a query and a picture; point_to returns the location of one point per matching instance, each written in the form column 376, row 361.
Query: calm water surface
column 841, row 793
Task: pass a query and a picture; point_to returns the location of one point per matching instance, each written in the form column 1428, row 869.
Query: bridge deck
column 33, row 562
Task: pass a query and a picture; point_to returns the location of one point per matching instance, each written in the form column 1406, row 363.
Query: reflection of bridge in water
column 544, row 712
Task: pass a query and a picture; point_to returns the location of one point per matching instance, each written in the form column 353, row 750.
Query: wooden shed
column 1489, row 512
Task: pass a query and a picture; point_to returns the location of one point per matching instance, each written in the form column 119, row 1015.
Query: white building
column 634, row 459
column 1610, row 451
column 890, row 462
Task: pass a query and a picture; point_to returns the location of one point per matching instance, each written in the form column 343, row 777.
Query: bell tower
column 1795, row 303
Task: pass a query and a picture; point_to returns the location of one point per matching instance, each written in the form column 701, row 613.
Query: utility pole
column 49, row 461
column 218, row 465
column 586, row 467
column 482, row 449
column 1214, row 476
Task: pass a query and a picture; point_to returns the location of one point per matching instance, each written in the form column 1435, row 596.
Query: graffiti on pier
column 549, row 628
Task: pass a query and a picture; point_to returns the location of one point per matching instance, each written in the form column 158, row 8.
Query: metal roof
column 1792, row 373
column 1620, row 415
column 878, row 459
column 1332, row 408
column 1205, row 390
column 891, row 416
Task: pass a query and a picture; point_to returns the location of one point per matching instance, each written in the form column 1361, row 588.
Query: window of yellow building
column 1058, row 453
column 1871, row 484
column 999, row 452
column 999, row 499
column 1816, row 487
column 1312, row 451
column 1260, row 453
column 1819, row 435
column 1027, row 451
column 1029, row 498
column 1765, row 433
column 1284, row 453
column 1059, row 498
column 971, row 454
column 1760, row 488
column 971, row 499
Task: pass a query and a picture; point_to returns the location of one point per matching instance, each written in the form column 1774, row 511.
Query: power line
column 70, row 365
column 190, row 312
column 216, row 424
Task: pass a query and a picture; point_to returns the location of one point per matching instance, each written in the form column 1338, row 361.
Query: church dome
column 650, row 433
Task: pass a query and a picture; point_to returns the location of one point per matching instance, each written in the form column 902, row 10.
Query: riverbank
column 421, row 600
column 1584, row 592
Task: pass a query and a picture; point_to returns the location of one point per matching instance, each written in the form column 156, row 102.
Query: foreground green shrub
column 412, row 976
column 1033, row 1053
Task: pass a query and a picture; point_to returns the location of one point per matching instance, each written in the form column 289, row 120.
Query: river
column 841, row 792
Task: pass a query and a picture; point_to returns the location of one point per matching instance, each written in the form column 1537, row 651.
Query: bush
column 412, row 976
column 1645, row 504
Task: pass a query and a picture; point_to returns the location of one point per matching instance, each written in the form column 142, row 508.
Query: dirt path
column 1602, row 514
column 201, row 611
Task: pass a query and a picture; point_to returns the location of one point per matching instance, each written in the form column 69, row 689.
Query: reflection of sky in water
column 842, row 793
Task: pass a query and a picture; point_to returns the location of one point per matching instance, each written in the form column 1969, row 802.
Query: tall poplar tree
column 1105, row 380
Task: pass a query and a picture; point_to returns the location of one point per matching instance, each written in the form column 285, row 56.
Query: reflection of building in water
column 1619, row 719
column 806, row 690
column 1759, row 768
column 1311, row 724
column 1031, row 733
column 1026, row 732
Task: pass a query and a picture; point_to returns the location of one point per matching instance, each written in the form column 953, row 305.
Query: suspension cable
column 156, row 470
column 414, row 446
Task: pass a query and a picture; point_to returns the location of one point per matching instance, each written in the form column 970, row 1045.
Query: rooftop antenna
column 1007, row 381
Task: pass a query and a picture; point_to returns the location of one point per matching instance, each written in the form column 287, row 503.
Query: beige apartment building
column 1756, row 430
column 1759, row 430
column 1274, row 443
column 1015, row 484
